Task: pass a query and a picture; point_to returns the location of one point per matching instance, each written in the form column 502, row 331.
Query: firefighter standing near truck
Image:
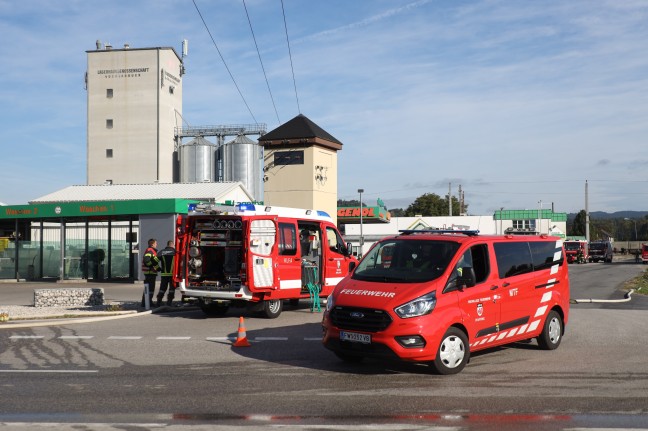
column 167, row 258
column 150, row 268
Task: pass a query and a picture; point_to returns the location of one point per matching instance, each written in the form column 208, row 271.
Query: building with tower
column 300, row 166
column 134, row 105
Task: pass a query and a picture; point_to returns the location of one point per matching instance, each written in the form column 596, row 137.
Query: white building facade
column 134, row 105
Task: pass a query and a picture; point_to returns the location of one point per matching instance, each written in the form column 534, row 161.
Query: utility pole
column 450, row 199
column 587, row 220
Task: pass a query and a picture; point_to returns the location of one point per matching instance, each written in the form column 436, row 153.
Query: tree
column 350, row 203
column 431, row 205
column 397, row 212
column 578, row 225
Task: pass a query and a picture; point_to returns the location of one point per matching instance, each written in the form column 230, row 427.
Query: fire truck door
column 288, row 259
column 261, row 244
column 336, row 265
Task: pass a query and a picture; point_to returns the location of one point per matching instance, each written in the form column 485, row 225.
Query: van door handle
column 494, row 287
column 505, row 284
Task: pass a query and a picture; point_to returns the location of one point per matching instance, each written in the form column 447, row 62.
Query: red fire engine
column 250, row 254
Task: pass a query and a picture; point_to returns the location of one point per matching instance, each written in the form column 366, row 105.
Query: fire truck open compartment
column 215, row 256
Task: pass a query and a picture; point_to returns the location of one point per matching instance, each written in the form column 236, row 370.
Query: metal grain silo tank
column 197, row 161
column 241, row 160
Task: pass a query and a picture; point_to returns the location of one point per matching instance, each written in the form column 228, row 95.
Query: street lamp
column 361, row 237
column 635, row 225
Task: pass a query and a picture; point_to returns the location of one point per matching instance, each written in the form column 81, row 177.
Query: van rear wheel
column 272, row 308
column 453, row 353
column 552, row 331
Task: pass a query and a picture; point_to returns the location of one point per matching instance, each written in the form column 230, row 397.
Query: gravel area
column 29, row 312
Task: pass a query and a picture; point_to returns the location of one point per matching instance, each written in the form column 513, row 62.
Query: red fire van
column 445, row 294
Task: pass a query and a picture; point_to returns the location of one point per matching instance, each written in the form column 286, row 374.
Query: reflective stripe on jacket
column 166, row 257
column 156, row 262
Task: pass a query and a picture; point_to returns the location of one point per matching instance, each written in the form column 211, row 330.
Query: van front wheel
column 453, row 353
column 552, row 331
column 272, row 308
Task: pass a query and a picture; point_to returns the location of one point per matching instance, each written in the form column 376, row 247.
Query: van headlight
column 329, row 302
column 418, row 307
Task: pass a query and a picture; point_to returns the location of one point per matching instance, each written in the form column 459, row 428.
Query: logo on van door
column 480, row 309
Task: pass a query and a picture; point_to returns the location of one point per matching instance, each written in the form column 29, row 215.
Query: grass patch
column 639, row 284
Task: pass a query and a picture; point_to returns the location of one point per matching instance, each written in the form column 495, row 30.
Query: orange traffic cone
column 241, row 339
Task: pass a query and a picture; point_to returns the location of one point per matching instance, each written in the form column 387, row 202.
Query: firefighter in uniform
column 150, row 268
column 167, row 258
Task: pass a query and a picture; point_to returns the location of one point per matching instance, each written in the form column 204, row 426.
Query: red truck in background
column 576, row 251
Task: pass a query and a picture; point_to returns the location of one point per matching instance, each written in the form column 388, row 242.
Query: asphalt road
column 181, row 370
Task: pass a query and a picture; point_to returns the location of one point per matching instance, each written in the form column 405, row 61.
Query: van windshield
column 598, row 246
column 406, row 261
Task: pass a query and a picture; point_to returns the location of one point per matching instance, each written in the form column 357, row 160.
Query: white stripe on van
column 290, row 284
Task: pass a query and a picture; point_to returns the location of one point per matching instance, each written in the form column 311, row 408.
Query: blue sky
column 519, row 102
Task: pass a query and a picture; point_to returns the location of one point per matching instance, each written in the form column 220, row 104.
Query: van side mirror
column 467, row 277
column 349, row 249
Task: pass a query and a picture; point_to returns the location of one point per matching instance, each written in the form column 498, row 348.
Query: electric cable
column 261, row 61
column 290, row 55
column 224, row 62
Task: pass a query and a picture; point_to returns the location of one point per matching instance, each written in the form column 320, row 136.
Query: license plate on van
column 354, row 337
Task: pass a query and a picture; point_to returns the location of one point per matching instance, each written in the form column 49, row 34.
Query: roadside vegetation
column 639, row 284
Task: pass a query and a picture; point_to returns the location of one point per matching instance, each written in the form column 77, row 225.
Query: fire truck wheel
column 551, row 334
column 214, row 309
column 272, row 308
column 453, row 353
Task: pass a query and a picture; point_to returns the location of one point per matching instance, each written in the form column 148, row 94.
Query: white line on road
column 49, row 371
column 117, row 337
column 23, row 337
column 76, row 337
column 173, row 338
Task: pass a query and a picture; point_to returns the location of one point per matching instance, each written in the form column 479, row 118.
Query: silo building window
column 109, row 153
column 109, row 93
column 109, row 123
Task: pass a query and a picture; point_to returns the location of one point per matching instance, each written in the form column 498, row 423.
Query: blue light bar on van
column 192, row 207
column 246, row 207
column 323, row 213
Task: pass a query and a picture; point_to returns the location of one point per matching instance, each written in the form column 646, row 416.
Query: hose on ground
column 627, row 297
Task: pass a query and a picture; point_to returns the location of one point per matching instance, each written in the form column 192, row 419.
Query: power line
column 225, row 63
column 290, row 55
column 261, row 61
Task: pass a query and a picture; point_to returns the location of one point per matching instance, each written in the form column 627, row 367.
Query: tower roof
column 300, row 130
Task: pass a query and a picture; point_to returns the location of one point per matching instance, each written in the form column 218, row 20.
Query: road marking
column 220, row 338
column 49, row 371
column 117, row 337
column 76, row 337
column 173, row 338
column 26, row 337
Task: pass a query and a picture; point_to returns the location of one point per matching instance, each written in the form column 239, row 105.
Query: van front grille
column 360, row 319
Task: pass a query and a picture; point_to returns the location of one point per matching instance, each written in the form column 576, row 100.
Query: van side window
column 334, row 240
column 287, row 239
column 543, row 254
column 475, row 258
column 513, row 258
